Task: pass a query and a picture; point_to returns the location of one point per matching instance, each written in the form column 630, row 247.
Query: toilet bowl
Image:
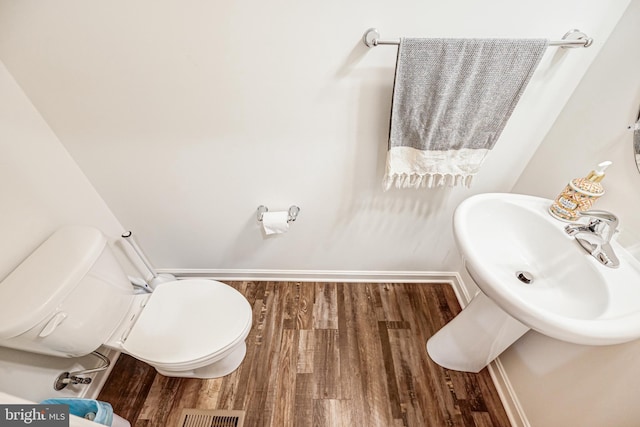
column 70, row 297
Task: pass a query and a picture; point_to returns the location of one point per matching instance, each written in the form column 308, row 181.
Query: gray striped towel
column 451, row 100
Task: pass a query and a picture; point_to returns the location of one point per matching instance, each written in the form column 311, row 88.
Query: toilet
column 70, row 296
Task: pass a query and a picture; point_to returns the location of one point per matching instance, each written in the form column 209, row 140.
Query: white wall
column 41, row 185
column 187, row 115
column 42, row 189
column 561, row 384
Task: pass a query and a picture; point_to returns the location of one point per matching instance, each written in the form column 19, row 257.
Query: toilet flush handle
column 53, row 324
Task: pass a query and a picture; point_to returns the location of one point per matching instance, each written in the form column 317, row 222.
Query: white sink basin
column 572, row 297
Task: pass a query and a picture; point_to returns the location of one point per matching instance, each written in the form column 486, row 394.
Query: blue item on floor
column 94, row 410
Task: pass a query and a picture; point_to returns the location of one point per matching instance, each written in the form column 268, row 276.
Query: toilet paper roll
column 275, row 222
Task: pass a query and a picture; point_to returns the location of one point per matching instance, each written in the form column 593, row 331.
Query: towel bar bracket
column 572, row 39
column 371, row 37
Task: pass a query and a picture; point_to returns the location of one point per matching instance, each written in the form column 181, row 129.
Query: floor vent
column 211, row 418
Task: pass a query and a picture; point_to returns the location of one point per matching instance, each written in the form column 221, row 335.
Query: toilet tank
column 66, row 298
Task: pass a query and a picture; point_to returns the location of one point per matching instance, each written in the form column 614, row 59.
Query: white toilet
column 70, row 296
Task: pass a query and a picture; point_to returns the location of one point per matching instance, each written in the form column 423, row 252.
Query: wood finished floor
column 325, row 355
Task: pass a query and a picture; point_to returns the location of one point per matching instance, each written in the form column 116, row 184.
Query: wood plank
column 482, row 419
column 160, row 400
column 325, row 308
column 326, row 364
column 373, row 380
column 303, row 400
column 391, row 309
column 128, row 386
column 299, row 307
column 392, row 383
column 244, row 377
column 410, row 390
column 331, row 412
column 185, row 397
column 306, row 351
column 283, row 414
column 348, row 345
column 208, row 396
column 260, row 391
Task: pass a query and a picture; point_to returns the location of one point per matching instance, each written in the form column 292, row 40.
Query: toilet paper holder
column 293, row 212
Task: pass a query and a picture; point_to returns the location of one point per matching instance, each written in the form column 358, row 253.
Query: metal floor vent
column 211, row 418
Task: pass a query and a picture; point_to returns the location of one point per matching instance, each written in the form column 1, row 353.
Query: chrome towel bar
column 572, row 39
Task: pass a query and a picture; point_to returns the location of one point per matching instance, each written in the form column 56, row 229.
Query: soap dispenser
column 579, row 195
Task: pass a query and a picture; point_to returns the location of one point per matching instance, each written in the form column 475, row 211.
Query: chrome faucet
column 595, row 237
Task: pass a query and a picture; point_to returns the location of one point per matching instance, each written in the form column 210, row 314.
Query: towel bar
column 572, row 39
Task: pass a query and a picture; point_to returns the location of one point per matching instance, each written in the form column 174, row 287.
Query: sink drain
column 524, row 276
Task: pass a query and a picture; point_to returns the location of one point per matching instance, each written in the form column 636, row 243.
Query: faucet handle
column 609, row 220
column 606, row 215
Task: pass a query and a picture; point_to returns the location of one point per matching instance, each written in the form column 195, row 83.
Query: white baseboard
column 509, row 399
column 317, row 275
column 498, row 374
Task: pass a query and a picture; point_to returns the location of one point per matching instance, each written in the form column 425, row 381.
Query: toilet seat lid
column 188, row 320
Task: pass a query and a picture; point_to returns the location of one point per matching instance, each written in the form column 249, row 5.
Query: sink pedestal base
column 476, row 336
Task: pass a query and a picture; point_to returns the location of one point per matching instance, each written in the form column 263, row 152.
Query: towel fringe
column 428, row 180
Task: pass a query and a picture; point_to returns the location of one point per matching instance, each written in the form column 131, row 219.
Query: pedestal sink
column 532, row 275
